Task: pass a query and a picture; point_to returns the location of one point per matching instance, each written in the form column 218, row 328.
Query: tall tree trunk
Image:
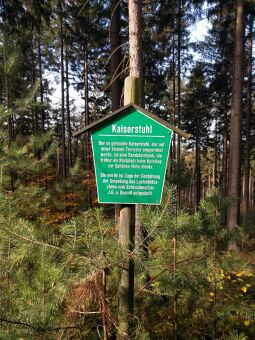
column 34, row 76
column 197, row 161
column 176, row 155
column 215, row 169
column 8, row 106
column 179, row 105
column 10, row 125
column 174, row 100
column 225, row 161
column 7, row 94
column 86, row 86
column 35, row 115
column 87, row 145
column 115, row 40
column 116, row 85
column 41, row 84
column 236, row 120
column 68, row 119
column 63, row 139
column 248, row 126
column 225, row 151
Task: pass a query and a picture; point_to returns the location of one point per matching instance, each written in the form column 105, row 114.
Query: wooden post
column 131, row 90
column 105, row 321
column 127, row 237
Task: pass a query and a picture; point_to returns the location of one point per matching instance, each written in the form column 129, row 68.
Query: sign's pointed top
column 126, row 109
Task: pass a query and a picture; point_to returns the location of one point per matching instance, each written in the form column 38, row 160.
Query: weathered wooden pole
column 126, row 287
column 127, row 237
column 132, row 95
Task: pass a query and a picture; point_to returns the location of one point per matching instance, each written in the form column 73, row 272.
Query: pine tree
column 196, row 113
column 246, row 195
column 236, row 118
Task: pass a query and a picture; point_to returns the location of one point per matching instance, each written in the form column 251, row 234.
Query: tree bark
column 116, row 85
column 174, row 100
column 63, row 139
column 86, row 87
column 225, row 161
column 127, row 228
column 8, row 106
column 197, row 161
column 135, row 43
column 7, row 94
column 179, row 106
column 127, row 212
column 35, row 116
column 87, row 121
column 215, row 169
column 35, row 112
column 126, row 287
column 236, row 120
column 136, row 70
column 68, row 119
column 41, row 84
column 115, row 40
column 225, row 152
column 248, row 126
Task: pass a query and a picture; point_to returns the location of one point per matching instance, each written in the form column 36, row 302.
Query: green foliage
column 90, row 238
column 236, row 336
column 57, row 258
column 40, row 270
column 211, row 299
column 52, row 278
column 32, row 288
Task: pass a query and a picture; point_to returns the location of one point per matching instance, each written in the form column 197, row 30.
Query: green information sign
column 130, row 157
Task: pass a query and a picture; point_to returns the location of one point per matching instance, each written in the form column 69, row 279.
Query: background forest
column 60, row 259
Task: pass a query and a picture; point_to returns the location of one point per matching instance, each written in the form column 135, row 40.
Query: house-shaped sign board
column 130, row 150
